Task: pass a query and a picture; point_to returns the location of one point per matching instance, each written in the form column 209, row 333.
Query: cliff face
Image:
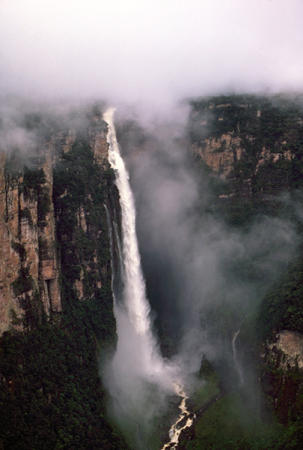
column 29, row 263
column 289, row 345
column 56, row 305
column 251, row 142
column 33, row 245
column 282, row 374
column 253, row 148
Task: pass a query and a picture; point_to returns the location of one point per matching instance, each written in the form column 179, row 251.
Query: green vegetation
column 51, row 395
column 32, row 179
column 33, row 186
column 26, row 214
column 19, row 248
column 267, row 119
column 206, row 388
column 282, row 307
column 230, row 424
column 23, row 283
column 271, row 123
column 232, row 419
column 80, row 189
column 269, row 131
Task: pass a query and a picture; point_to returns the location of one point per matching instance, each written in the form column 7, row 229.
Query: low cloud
column 151, row 53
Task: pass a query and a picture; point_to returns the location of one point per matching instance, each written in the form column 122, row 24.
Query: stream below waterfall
column 184, row 420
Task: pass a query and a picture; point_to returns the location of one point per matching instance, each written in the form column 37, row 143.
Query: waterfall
column 235, row 356
column 132, row 311
column 135, row 298
column 137, row 376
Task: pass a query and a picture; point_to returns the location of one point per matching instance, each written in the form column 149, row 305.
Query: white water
column 137, row 358
column 235, row 356
column 135, row 337
column 184, row 417
column 135, row 298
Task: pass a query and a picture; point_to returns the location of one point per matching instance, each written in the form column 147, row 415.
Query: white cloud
column 149, row 51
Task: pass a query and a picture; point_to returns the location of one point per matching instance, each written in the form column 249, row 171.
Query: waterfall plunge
column 137, row 376
column 135, row 299
column 132, row 311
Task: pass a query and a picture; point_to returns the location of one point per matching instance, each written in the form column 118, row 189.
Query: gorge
column 151, row 256
column 86, row 360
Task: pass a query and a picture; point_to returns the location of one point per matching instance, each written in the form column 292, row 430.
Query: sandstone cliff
column 30, row 251
column 253, row 143
column 29, row 264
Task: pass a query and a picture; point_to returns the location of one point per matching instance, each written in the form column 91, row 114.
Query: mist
column 147, row 58
column 204, row 277
column 149, row 53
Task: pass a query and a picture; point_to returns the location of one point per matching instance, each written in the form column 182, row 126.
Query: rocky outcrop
column 97, row 136
column 287, row 351
column 220, row 153
column 282, row 374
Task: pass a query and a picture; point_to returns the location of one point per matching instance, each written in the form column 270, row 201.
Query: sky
column 149, row 51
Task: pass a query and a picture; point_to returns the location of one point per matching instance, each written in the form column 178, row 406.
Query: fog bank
column 155, row 53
